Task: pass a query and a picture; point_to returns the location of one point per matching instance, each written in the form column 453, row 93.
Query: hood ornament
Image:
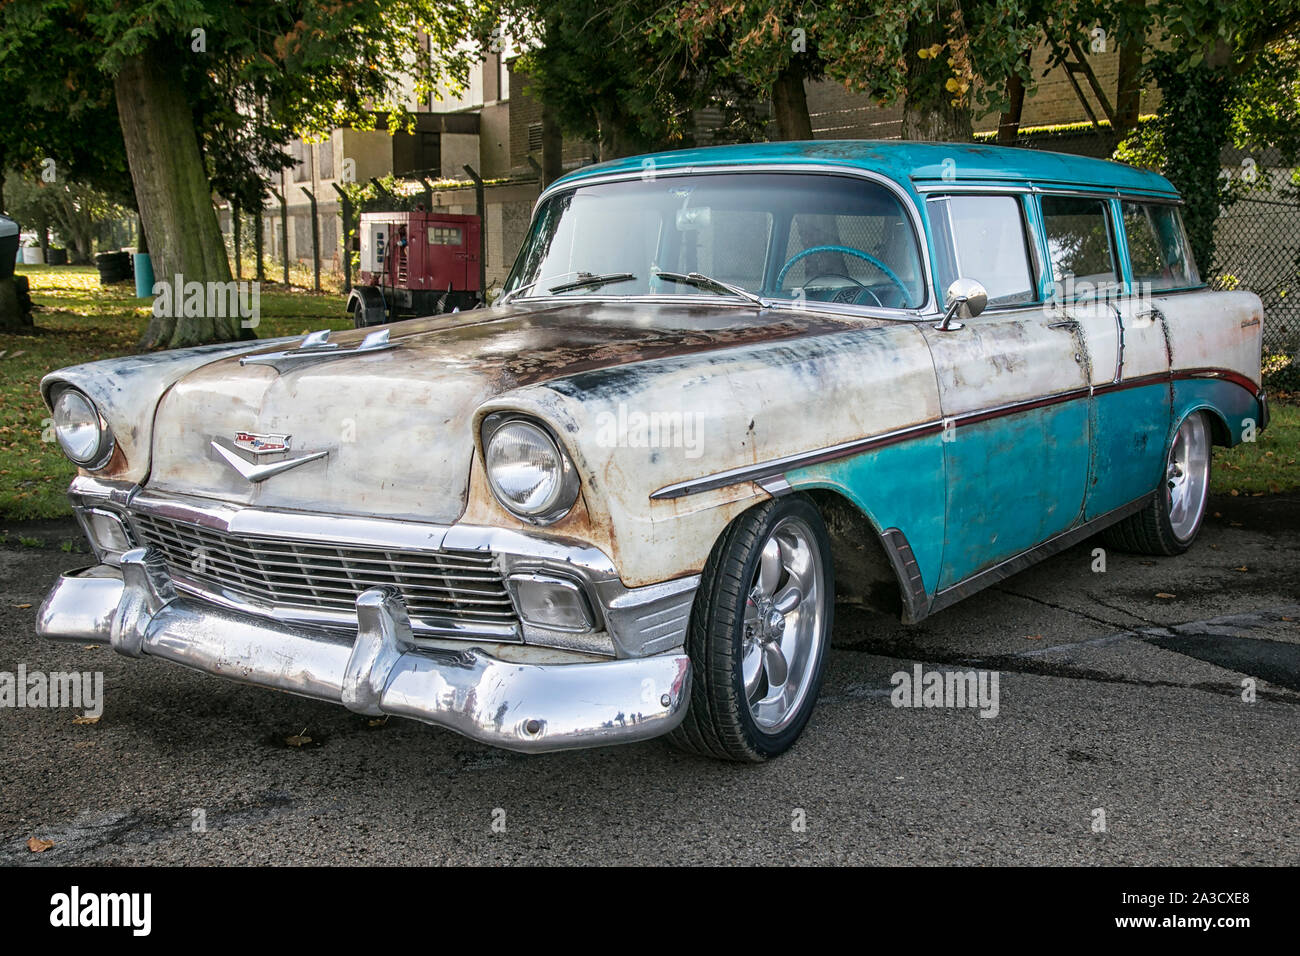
column 254, row 472
column 317, row 347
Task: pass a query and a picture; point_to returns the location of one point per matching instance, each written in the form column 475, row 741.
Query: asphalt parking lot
column 1122, row 737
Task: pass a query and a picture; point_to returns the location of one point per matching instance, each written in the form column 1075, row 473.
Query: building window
column 325, row 159
column 301, row 153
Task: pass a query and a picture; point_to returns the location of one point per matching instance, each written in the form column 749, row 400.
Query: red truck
column 414, row 264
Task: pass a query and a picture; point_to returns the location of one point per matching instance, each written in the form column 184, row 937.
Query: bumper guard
column 517, row 706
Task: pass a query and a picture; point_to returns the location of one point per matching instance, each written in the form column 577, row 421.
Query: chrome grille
column 443, row 590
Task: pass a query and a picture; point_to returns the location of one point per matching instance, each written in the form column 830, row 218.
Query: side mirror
column 966, row 299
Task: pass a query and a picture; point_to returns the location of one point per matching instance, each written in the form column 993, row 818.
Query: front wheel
column 1170, row 522
column 758, row 634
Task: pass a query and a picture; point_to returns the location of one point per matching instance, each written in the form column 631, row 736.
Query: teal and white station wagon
column 723, row 389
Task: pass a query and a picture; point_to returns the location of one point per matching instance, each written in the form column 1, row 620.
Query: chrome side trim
column 776, row 467
column 1066, row 539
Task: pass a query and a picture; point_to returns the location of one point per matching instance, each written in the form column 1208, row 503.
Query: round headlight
column 527, row 471
column 81, row 434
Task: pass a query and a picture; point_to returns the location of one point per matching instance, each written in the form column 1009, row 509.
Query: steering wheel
column 863, row 288
column 858, row 253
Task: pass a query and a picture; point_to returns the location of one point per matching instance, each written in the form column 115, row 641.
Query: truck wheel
column 758, row 634
column 1170, row 522
column 358, row 315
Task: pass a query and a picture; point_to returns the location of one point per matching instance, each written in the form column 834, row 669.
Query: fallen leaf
column 1033, row 637
column 37, row 845
column 21, row 607
column 299, row 739
column 1163, row 594
column 85, row 719
column 1236, row 524
column 377, row 721
column 1242, row 568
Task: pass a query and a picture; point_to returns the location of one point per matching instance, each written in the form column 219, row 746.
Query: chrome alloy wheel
column 784, row 625
column 1187, row 476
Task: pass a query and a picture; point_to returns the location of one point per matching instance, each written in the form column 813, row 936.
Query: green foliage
column 255, row 73
column 612, row 76
column 1184, row 141
column 78, row 213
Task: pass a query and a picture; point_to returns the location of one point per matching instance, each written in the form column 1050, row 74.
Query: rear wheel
column 758, row 634
column 1170, row 522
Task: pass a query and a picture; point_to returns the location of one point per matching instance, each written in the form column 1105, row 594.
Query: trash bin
column 8, row 246
column 143, row 275
column 113, row 267
column 57, row 257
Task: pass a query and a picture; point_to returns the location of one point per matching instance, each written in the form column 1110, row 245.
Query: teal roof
column 905, row 160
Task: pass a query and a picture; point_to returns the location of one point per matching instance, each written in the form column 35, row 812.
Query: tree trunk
column 928, row 110
column 15, row 304
column 174, row 197
column 1128, row 88
column 552, row 147
column 790, row 105
column 1009, row 121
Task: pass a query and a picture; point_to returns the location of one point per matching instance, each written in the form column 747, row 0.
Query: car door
column 1128, row 340
column 1013, row 386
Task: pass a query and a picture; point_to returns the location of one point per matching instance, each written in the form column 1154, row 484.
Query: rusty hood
column 396, row 425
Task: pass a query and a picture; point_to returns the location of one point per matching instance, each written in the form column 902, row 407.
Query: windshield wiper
column 586, row 280
column 701, row 281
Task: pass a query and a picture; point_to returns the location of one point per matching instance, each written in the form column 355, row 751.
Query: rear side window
column 984, row 240
column 1157, row 247
column 1081, row 247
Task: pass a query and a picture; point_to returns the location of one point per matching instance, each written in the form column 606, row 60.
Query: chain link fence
column 1257, row 247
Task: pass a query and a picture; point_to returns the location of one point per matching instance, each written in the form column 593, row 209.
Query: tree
column 204, row 91
column 764, row 47
column 1227, row 72
column 608, row 74
column 78, row 213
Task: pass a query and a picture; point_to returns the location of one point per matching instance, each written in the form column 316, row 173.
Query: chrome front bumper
column 528, row 707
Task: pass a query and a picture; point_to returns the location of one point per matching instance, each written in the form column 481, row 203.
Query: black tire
column 1151, row 530
column 719, row 722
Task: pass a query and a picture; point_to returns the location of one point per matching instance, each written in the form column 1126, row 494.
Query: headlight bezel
column 105, row 443
column 557, row 505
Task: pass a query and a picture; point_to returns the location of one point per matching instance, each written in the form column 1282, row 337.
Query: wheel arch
column 1220, row 432
column 874, row 567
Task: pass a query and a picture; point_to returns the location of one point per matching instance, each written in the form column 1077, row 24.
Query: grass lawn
column 78, row 321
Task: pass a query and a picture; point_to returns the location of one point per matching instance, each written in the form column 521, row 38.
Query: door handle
column 1066, row 324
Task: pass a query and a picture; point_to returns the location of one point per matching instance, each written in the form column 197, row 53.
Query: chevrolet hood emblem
column 255, row 473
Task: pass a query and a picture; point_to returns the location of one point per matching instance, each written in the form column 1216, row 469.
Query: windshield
column 783, row 236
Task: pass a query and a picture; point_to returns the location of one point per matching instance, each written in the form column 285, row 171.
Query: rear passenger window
column 984, row 240
column 1079, row 243
column 1157, row 247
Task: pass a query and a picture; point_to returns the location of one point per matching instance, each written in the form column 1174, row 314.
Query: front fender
column 127, row 390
